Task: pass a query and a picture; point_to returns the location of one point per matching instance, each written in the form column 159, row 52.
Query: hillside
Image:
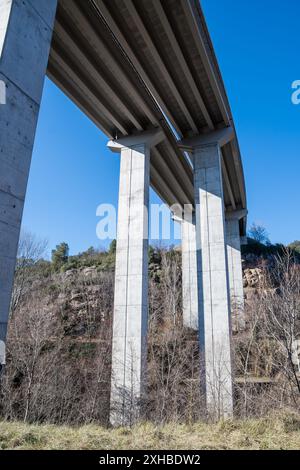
column 58, row 352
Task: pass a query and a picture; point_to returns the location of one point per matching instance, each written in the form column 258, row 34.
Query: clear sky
column 257, row 43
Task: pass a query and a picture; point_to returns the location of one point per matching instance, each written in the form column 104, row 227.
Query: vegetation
column 295, row 246
column 59, row 353
column 277, row 431
column 259, row 234
column 259, row 245
column 60, row 256
column 103, row 260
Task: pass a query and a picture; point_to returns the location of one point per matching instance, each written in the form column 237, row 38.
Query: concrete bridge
column 146, row 74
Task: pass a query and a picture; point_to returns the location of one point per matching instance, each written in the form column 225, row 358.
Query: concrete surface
column 25, row 38
column 131, row 283
column 235, row 272
column 189, row 270
column 213, row 287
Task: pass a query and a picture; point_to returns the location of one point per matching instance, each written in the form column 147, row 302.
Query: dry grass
column 279, row 431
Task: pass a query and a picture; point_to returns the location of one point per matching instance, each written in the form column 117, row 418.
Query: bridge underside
column 134, row 65
column 145, row 72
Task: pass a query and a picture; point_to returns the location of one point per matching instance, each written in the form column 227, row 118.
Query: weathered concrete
column 213, row 289
column 25, row 37
column 189, row 269
column 131, row 279
column 235, row 273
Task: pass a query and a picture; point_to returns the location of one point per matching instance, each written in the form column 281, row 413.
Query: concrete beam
column 185, row 68
column 72, row 9
column 170, row 180
column 129, row 343
column 65, row 82
column 91, row 69
column 191, row 17
column 134, row 60
column 236, row 215
column 83, row 82
column 228, row 183
column 165, row 192
column 160, row 64
column 220, row 137
column 149, row 138
column 26, row 31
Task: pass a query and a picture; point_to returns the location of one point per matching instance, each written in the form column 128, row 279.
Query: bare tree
column 30, row 251
column 282, row 317
column 59, row 346
column 266, row 355
column 259, row 234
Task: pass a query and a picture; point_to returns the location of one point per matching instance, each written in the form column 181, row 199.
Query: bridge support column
column 235, row 272
column 25, row 37
column 189, row 270
column 129, row 342
column 213, row 287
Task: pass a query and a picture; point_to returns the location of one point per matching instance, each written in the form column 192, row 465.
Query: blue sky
column 257, row 45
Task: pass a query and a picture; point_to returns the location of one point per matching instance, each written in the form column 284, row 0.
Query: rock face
column 79, row 299
column 253, row 277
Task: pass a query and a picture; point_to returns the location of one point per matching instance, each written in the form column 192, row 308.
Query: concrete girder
column 71, row 8
column 227, row 182
column 89, row 67
column 188, row 7
column 151, row 138
column 220, row 137
column 82, row 81
column 165, row 171
column 172, row 38
column 125, row 45
column 160, row 63
column 67, row 85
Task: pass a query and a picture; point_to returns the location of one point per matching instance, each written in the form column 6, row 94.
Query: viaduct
column 145, row 73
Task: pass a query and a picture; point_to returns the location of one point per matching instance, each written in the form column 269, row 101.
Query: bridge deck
column 133, row 65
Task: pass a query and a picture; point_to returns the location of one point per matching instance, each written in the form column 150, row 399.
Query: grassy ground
column 274, row 432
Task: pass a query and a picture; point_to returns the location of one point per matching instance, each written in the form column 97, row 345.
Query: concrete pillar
column 25, row 37
column 189, row 270
column 213, row 288
column 129, row 342
column 233, row 242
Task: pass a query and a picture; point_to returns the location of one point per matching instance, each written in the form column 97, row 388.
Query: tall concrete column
column 189, row 269
column 212, row 269
column 129, row 342
column 214, row 307
column 233, row 242
column 25, row 36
